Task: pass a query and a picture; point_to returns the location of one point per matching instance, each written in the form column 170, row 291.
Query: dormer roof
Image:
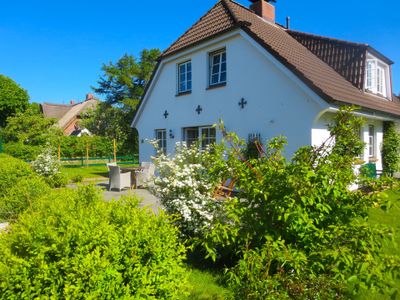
column 338, row 85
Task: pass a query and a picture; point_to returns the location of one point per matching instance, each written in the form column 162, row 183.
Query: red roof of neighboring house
column 67, row 114
column 332, row 83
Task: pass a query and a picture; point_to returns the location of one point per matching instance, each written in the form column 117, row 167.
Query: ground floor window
column 371, row 141
column 206, row 135
column 161, row 137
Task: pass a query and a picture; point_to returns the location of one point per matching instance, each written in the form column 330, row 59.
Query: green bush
column 390, row 148
column 78, row 178
column 306, row 209
column 12, row 170
column 22, row 151
column 74, row 245
column 21, row 196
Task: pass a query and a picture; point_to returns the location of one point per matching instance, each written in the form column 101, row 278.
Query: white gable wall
column 277, row 104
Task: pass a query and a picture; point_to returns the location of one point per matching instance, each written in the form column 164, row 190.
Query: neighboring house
column 262, row 79
column 69, row 116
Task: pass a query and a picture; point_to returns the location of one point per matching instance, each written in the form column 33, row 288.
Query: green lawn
column 206, row 286
column 97, row 172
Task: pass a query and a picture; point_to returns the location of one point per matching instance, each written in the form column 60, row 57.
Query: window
column 185, row 77
column 371, row 140
column 380, row 77
column 161, row 137
column 217, row 68
column 206, row 135
column 375, row 77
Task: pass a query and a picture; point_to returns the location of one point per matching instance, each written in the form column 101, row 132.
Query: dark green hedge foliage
column 74, row 245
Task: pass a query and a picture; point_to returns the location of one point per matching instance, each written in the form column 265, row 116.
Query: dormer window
column 376, row 77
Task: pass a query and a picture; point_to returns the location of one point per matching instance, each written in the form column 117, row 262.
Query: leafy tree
column 30, row 128
column 28, row 131
column 13, row 99
column 123, row 84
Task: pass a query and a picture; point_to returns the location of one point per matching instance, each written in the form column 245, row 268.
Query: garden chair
column 114, row 163
column 145, row 173
column 226, row 189
column 119, row 180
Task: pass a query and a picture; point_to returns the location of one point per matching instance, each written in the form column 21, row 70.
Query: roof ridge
column 329, row 38
column 190, row 28
column 230, row 12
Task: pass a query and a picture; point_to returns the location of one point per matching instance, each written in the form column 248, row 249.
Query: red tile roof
column 227, row 15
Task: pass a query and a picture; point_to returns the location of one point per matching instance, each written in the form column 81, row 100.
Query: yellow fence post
column 87, row 154
column 59, row 152
column 115, row 151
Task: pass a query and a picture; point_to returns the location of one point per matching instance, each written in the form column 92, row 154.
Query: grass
column 389, row 218
column 206, row 286
column 97, row 172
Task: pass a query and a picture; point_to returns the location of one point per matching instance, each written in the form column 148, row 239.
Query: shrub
column 74, row 245
column 77, row 178
column 46, row 163
column 21, row 151
column 21, row 196
column 185, row 187
column 12, row 170
column 390, row 148
column 306, row 208
column 57, row 180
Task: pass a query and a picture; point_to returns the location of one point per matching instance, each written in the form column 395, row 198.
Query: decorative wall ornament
column 242, row 103
column 199, row 109
column 171, row 134
column 166, row 114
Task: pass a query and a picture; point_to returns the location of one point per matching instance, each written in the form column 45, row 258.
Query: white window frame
column 221, row 66
column 371, row 141
column 206, row 135
column 184, row 74
column 161, row 137
column 377, row 77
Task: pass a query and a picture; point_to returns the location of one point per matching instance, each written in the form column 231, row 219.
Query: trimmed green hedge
column 74, row 245
column 19, row 187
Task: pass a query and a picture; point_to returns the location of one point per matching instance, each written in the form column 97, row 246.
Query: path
column 148, row 199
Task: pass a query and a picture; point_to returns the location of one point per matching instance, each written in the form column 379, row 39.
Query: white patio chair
column 111, row 164
column 119, row 180
column 144, row 175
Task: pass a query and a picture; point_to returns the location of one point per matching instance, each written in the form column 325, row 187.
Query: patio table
column 133, row 171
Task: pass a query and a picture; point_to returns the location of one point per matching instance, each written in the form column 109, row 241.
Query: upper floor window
column 217, row 68
column 376, row 81
column 185, row 77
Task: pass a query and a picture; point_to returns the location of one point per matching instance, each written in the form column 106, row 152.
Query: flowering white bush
column 46, row 163
column 186, row 187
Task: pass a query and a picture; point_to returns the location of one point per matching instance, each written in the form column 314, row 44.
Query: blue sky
column 55, row 49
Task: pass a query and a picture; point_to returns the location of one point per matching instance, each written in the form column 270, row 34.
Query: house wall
column 276, row 105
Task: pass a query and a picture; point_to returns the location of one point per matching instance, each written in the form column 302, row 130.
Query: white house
column 263, row 79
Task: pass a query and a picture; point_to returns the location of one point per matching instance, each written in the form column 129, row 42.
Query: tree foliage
column 123, row 84
column 13, row 99
column 390, row 148
column 28, row 131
